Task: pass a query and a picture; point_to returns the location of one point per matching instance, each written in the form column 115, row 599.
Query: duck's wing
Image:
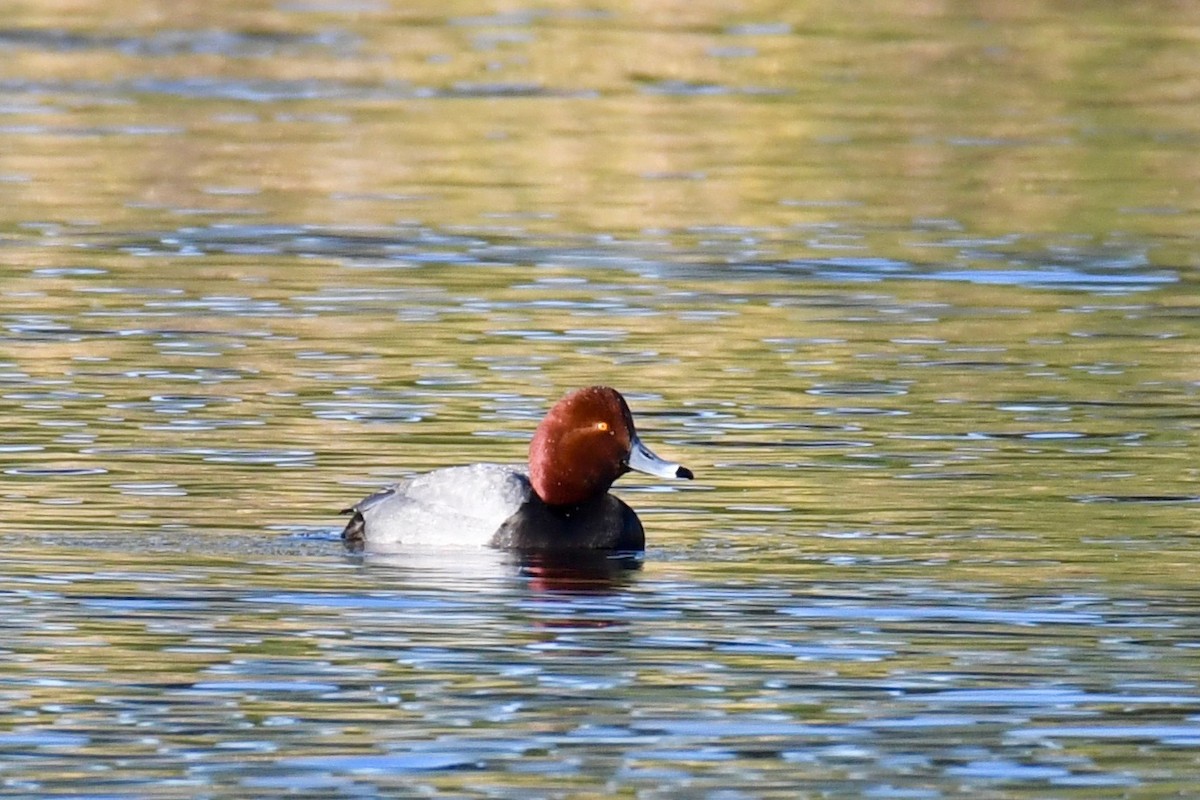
column 455, row 506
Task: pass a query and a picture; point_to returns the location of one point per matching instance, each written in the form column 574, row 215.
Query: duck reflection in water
column 569, row 572
column 578, row 572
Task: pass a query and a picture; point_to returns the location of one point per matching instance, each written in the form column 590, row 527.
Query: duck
column 560, row 502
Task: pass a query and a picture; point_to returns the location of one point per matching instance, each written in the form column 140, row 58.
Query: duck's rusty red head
column 586, row 442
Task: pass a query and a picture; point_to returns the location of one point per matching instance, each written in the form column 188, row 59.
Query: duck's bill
column 643, row 460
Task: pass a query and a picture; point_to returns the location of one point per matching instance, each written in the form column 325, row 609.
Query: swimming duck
column 585, row 442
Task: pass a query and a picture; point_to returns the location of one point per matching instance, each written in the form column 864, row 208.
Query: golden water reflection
column 999, row 118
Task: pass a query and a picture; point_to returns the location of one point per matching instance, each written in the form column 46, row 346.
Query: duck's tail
column 355, row 532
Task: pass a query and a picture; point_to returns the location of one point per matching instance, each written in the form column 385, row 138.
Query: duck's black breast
column 603, row 524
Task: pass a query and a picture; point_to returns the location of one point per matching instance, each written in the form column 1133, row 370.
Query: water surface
column 914, row 295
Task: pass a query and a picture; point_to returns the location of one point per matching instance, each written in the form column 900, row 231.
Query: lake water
column 914, row 293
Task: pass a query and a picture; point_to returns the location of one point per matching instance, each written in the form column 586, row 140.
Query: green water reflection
column 1004, row 119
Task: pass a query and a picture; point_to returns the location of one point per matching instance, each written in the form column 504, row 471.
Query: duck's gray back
column 461, row 506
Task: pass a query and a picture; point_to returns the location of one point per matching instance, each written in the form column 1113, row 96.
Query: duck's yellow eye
column 602, row 426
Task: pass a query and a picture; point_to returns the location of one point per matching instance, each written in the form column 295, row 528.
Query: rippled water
column 170, row 672
column 914, row 294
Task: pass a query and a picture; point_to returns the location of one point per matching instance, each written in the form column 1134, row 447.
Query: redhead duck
column 585, row 442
